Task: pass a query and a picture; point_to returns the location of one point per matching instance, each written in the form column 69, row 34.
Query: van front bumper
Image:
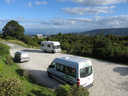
column 57, row 51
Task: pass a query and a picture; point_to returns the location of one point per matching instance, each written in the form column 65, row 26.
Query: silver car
column 21, row 56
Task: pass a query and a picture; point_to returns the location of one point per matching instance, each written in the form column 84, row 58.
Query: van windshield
column 84, row 72
column 57, row 47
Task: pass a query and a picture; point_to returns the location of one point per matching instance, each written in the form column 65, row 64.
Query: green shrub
column 4, row 49
column 9, row 60
column 79, row 91
column 63, row 90
column 11, row 87
column 8, row 38
column 67, row 90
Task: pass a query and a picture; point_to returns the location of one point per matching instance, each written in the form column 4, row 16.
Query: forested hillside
column 114, row 31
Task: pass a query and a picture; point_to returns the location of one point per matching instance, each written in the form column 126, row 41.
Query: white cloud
column 29, row 4
column 88, row 10
column 71, row 24
column 63, row 0
column 97, row 2
column 39, row 3
column 9, row 1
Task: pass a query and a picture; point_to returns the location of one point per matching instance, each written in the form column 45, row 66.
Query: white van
column 50, row 46
column 72, row 70
column 21, row 56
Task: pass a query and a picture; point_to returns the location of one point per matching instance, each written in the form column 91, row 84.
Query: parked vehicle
column 72, row 70
column 21, row 56
column 50, row 46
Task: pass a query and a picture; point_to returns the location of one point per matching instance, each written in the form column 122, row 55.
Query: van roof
column 51, row 42
column 74, row 60
column 21, row 52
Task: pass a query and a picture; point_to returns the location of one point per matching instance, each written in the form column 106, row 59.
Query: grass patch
column 20, row 43
column 31, row 89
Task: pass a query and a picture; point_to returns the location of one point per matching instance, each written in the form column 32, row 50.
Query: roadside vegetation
column 109, row 47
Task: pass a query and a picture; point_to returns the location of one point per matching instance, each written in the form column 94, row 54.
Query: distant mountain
column 114, row 31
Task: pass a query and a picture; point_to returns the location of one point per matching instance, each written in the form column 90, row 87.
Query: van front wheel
column 49, row 75
column 53, row 51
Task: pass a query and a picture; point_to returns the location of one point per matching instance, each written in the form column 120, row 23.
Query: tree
column 101, row 34
column 103, row 49
column 13, row 29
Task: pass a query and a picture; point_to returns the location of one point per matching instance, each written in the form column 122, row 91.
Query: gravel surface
column 110, row 79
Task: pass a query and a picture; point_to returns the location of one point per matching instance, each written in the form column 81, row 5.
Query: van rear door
column 86, row 76
column 86, row 73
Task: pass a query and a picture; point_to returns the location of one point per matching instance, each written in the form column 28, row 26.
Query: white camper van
column 72, row 70
column 50, row 46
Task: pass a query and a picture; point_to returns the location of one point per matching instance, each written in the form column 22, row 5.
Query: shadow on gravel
column 41, row 78
column 36, row 51
column 122, row 70
column 24, row 76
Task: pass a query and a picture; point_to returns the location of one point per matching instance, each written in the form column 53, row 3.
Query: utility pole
column 47, row 30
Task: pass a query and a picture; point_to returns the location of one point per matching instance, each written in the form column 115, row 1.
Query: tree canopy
column 13, row 29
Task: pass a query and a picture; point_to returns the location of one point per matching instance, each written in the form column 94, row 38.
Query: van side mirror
column 51, row 66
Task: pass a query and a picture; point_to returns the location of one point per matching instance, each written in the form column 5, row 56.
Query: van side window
column 59, row 67
column 70, row 71
column 42, row 45
column 53, row 63
column 53, row 47
column 48, row 45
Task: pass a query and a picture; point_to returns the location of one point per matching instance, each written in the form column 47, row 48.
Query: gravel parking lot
column 110, row 79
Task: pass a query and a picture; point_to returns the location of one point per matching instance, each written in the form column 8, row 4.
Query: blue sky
column 65, row 16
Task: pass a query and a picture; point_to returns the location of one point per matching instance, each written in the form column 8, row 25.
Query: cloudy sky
column 65, row 16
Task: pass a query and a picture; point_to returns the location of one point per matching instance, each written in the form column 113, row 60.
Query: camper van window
column 59, row 67
column 70, row 71
column 49, row 45
column 57, row 47
column 42, row 44
column 84, row 72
